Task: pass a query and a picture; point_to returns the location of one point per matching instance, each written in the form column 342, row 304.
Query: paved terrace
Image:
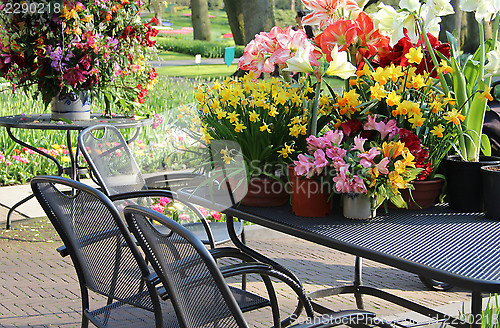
column 38, row 288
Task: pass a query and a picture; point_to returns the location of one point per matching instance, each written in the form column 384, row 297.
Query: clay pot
column 265, row 192
column 424, row 195
column 308, row 197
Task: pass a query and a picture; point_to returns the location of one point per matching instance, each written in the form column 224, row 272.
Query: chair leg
column 244, row 276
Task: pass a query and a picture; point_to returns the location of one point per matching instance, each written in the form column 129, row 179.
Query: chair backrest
column 197, row 289
column 105, row 256
column 110, row 159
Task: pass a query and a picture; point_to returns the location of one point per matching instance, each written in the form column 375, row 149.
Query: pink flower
column 216, row 215
column 367, row 157
column 184, row 217
column 203, row 211
column 358, row 185
column 382, row 166
column 359, row 143
column 381, row 127
column 8, row 163
column 336, row 153
column 20, row 159
column 314, row 143
column 74, row 75
column 320, row 160
column 341, row 180
column 304, row 165
column 165, row 201
column 334, row 137
column 158, row 208
column 158, row 119
column 324, row 10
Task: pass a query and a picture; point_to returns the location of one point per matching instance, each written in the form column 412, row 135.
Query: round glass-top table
column 44, row 122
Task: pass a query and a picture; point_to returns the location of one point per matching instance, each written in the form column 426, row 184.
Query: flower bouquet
column 73, row 46
column 362, row 158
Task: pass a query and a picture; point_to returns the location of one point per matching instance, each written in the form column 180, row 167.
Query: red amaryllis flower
column 426, row 64
column 370, row 38
column 397, row 53
column 351, row 127
column 342, row 32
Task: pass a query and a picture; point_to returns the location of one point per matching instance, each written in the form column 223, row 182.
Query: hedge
column 194, row 47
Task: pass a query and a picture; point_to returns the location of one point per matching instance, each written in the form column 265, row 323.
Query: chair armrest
column 90, row 239
column 143, row 193
column 174, row 179
column 347, row 317
column 222, row 252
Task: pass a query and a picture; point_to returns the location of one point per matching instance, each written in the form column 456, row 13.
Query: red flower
column 426, row 64
column 342, row 32
column 371, row 39
column 397, row 54
column 351, row 127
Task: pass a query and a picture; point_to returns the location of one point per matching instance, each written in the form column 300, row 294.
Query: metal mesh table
column 43, row 122
column 458, row 248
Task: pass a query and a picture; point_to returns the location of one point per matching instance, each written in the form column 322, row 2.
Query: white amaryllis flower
column 441, row 7
column 493, row 66
column 300, row 62
column 411, row 5
column 484, row 10
column 340, row 66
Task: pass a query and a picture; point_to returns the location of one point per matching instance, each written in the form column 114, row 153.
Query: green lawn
column 169, row 55
column 200, row 71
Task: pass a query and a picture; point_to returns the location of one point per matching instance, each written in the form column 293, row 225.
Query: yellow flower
column 416, row 120
column 449, row 100
column 380, row 76
column 454, row 116
column 227, row 159
column 285, row 151
column 393, row 99
column 295, row 130
column 392, row 149
column 303, row 129
column 264, row 127
column 438, row 131
column 444, row 68
column 365, row 71
column 415, row 56
column 273, row 112
column 486, row 94
column 408, row 158
column 254, row 116
column 397, row 181
column 239, row 127
column 377, row 91
column 417, row 81
column 394, row 72
column 413, row 108
column 233, row 117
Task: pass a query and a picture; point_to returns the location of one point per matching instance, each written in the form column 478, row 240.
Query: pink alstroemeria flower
column 303, row 165
column 314, row 143
column 359, row 143
column 382, row 166
column 320, row 160
column 358, row 185
column 367, row 157
column 334, row 137
column 383, row 128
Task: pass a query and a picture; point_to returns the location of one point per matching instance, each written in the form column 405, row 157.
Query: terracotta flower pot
column 308, row 197
column 265, row 192
column 424, row 195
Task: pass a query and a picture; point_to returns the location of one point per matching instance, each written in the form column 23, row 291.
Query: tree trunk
column 259, row 17
column 451, row 23
column 292, row 5
column 234, row 14
column 471, row 42
column 200, row 20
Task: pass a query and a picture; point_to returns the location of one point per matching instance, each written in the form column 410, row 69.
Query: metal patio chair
column 106, row 258
column 196, row 285
column 116, row 171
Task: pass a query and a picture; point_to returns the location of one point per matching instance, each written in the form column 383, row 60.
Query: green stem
column 442, row 80
column 314, row 114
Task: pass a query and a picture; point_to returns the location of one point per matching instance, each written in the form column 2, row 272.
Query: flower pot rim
column 482, row 159
column 488, row 168
column 434, row 180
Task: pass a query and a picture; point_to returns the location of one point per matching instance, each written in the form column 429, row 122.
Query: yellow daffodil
column 239, row 127
column 394, row 72
column 416, row 120
column 393, row 99
column 254, row 116
column 380, row 76
column 273, row 112
column 454, row 116
column 417, row 81
column 415, row 56
column 444, row 68
column 285, row 151
column 233, row 117
column 486, row 94
column 264, row 127
column 438, row 131
column 377, row 91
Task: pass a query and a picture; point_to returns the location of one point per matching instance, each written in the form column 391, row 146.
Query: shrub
column 194, row 47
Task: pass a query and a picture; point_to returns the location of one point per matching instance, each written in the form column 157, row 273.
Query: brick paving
column 38, row 288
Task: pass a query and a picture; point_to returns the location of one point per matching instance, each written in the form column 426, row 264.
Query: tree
column 234, row 14
column 201, row 21
column 258, row 17
column 158, row 7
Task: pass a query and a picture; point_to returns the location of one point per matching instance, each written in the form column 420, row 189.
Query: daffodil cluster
column 267, row 118
column 411, row 99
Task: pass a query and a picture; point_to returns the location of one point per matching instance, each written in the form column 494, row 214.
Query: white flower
column 340, row 66
column 411, row 5
column 484, row 10
column 441, row 7
column 493, row 66
column 300, row 61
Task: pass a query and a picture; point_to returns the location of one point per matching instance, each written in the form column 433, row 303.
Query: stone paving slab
column 38, row 288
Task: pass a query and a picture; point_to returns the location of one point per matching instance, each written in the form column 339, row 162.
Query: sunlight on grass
column 201, row 71
column 169, row 55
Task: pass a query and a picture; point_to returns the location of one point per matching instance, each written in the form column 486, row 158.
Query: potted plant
column 491, row 181
column 366, row 165
column 69, row 48
column 268, row 121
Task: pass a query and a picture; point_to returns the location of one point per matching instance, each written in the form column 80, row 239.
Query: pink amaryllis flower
column 254, row 59
column 165, row 201
column 324, row 11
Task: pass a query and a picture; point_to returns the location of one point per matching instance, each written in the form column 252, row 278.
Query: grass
column 170, row 55
column 198, row 71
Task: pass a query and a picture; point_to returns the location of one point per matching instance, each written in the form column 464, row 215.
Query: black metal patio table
column 43, row 122
column 462, row 249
